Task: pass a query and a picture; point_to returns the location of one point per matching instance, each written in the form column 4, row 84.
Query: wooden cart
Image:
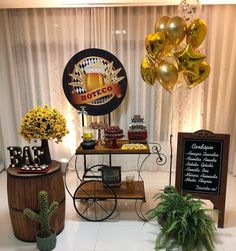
column 95, row 200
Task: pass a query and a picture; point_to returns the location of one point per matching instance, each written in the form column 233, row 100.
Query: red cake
column 113, row 132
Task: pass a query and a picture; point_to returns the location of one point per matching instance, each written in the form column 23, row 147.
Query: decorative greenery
column 43, row 123
column 184, row 223
column 44, row 213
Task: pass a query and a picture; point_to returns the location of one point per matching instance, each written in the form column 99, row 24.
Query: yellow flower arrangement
column 43, row 123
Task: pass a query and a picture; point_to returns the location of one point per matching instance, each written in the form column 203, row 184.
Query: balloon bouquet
column 167, row 60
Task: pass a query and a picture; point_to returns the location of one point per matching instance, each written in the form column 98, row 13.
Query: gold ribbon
column 108, row 89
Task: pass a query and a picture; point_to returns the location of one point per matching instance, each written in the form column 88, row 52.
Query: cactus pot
column 46, row 243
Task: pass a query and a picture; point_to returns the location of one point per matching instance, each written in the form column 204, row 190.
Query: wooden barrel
column 23, row 192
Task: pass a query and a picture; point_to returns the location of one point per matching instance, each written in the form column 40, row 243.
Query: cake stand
column 114, row 140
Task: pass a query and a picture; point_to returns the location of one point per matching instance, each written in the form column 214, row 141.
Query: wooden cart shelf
column 94, row 189
column 107, row 149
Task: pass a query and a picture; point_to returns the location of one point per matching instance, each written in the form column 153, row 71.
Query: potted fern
column 185, row 225
column 46, row 237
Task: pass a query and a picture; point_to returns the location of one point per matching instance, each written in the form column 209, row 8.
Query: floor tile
column 124, row 231
column 125, row 236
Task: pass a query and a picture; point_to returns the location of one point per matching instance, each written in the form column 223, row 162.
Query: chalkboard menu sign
column 202, row 164
column 201, row 167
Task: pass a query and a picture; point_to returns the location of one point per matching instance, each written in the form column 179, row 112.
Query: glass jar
column 87, row 134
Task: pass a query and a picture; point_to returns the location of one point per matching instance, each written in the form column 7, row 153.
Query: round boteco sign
column 94, row 80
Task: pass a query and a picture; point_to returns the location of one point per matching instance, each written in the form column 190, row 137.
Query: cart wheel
column 94, row 200
column 93, row 172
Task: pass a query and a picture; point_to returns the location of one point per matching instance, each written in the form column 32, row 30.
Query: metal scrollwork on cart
column 160, row 160
column 155, row 150
column 96, row 200
column 160, row 157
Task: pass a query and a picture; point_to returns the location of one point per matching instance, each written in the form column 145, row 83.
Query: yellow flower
column 43, row 123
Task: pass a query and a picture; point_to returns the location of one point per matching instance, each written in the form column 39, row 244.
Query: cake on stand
column 113, row 133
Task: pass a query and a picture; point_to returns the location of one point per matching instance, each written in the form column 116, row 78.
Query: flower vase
column 47, row 156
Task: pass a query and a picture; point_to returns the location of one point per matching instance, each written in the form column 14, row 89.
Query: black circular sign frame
column 109, row 92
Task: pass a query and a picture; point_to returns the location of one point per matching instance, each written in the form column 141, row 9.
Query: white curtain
column 36, row 44
column 220, row 88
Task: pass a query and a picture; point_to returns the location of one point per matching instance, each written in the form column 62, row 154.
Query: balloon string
column 174, row 105
column 172, row 112
column 171, row 132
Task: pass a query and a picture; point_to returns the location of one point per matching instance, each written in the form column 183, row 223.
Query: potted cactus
column 46, row 237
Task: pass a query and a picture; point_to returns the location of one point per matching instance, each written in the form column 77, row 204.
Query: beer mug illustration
column 94, row 76
column 94, row 80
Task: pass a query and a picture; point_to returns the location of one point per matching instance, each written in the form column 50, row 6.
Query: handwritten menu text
column 202, row 166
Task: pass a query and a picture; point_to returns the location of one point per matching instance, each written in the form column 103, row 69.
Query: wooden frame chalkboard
column 201, row 167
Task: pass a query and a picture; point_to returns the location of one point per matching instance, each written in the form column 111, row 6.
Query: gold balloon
column 168, row 50
column 161, row 24
column 148, row 71
column 193, row 80
column 196, row 32
column 155, row 44
column 189, row 60
column 167, row 75
column 176, row 30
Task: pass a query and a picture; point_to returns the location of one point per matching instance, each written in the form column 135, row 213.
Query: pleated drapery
column 36, row 44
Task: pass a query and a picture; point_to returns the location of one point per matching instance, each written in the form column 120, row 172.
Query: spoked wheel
column 93, row 172
column 94, row 200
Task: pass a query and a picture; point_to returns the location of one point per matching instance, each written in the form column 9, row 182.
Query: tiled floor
column 123, row 232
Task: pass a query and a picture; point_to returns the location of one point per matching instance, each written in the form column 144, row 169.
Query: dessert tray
column 33, row 169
